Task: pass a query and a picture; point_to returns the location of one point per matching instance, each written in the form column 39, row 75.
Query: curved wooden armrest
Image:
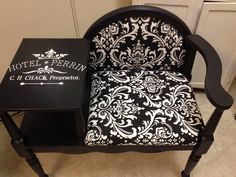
column 213, row 88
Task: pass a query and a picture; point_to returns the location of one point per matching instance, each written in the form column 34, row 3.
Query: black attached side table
column 46, row 79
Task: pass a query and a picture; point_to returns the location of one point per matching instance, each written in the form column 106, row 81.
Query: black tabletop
column 46, row 74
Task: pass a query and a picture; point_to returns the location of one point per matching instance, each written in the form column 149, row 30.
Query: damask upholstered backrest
column 137, row 37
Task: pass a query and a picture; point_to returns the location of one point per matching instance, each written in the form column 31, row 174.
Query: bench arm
column 213, row 88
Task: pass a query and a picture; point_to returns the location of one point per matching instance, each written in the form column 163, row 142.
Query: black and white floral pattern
column 142, row 108
column 137, row 43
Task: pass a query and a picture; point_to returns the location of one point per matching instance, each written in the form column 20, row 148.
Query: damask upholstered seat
column 139, row 74
column 142, row 108
column 138, row 95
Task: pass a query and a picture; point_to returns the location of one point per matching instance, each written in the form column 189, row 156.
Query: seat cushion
column 142, row 108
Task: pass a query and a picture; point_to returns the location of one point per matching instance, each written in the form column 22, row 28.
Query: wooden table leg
column 17, row 142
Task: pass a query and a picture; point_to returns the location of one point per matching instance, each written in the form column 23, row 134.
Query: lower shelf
column 56, row 132
column 49, row 129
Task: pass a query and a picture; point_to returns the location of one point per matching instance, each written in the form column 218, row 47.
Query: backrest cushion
column 144, row 40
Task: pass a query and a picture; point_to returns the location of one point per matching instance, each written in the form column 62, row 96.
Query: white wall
column 89, row 11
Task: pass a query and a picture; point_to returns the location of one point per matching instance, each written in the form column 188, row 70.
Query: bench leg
column 18, row 144
column 195, row 156
column 36, row 166
column 191, row 163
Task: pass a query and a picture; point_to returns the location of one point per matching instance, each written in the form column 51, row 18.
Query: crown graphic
column 51, row 54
